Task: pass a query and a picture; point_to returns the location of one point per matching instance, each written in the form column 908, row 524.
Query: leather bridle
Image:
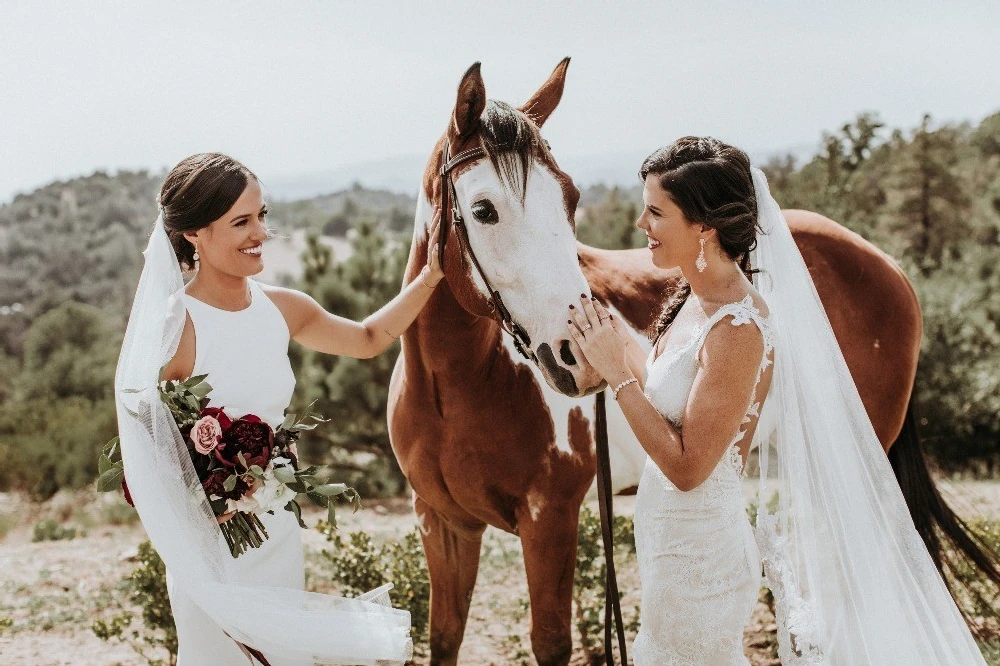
column 522, row 342
column 612, row 607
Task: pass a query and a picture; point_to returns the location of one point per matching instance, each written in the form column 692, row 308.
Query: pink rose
column 206, row 434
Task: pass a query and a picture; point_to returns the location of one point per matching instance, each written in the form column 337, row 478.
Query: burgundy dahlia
column 251, row 437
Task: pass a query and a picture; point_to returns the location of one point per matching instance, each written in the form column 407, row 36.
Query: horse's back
column 873, row 310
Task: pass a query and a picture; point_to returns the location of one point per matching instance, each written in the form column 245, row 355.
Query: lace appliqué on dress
column 798, row 625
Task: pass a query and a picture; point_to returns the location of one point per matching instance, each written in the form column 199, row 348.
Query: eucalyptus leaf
column 294, row 507
column 202, row 389
column 331, row 489
column 229, row 483
column 284, row 474
column 110, row 480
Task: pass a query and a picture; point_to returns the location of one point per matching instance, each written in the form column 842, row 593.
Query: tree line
column 70, row 257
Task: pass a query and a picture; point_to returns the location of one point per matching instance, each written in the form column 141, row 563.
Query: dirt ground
column 52, row 591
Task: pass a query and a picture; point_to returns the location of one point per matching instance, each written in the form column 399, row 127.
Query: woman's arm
column 716, row 405
column 313, row 327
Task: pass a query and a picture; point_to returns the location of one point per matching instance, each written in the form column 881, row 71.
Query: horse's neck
column 627, row 281
column 447, row 339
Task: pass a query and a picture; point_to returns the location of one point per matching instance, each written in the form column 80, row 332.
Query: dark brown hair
column 196, row 192
column 510, row 140
column 710, row 181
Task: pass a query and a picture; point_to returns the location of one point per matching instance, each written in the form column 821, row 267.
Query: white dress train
column 245, row 355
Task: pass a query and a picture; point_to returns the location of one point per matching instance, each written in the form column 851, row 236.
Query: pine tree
column 353, row 393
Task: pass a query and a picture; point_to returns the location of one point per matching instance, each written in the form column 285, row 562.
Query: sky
column 308, row 93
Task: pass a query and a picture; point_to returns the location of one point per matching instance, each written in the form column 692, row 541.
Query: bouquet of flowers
column 244, row 466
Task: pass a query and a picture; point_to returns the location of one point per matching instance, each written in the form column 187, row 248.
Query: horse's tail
column 953, row 545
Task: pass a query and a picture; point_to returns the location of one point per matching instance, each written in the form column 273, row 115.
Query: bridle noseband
column 522, row 342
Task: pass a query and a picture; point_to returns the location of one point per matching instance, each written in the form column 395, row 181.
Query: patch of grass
column 991, row 652
column 8, row 521
column 49, row 529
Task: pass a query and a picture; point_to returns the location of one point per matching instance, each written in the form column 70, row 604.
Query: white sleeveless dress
column 245, row 355
column 699, row 566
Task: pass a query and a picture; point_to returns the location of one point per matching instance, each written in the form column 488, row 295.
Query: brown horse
column 486, row 437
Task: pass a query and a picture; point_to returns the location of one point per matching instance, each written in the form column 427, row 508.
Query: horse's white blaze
column 627, row 455
column 530, row 254
column 559, row 405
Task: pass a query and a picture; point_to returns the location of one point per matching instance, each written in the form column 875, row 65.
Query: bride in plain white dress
column 237, row 331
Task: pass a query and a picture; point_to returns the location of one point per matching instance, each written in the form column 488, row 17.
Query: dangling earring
column 700, row 263
column 195, row 256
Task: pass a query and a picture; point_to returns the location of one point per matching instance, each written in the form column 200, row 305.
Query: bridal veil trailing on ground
column 284, row 624
column 852, row 581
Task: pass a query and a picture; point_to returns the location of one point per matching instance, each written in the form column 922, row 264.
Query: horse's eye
column 484, row 212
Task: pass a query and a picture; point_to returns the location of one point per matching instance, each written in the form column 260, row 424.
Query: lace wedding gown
column 245, row 355
column 699, row 563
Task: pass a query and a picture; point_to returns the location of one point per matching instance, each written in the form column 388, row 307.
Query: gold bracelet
column 615, row 390
column 424, row 282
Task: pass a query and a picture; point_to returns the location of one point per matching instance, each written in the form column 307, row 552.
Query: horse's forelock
column 510, row 139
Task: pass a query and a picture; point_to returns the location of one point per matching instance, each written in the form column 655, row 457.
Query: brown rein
column 612, row 603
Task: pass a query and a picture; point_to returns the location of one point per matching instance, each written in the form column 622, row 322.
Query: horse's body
column 485, row 437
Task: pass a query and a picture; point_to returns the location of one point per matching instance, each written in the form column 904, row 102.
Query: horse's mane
column 510, row 139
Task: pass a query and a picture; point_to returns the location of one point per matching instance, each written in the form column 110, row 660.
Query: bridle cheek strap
column 449, row 204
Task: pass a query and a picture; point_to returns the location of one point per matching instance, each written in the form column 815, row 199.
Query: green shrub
column 360, row 565
column 589, row 580
column 147, row 585
column 49, row 529
column 983, row 597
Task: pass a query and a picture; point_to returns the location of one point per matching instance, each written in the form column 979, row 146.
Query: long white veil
column 852, row 580
column 282, row 623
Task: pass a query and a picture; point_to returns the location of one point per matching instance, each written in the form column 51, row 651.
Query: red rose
column 128, row 495
column 251, row 437
column 219, row 415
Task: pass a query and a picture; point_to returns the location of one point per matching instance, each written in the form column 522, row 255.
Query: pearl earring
column 195, row 256
column 700, row 263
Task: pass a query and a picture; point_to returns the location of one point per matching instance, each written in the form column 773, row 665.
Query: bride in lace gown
column 853, row 583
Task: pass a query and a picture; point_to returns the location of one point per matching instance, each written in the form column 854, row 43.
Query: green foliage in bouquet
column 188, row 403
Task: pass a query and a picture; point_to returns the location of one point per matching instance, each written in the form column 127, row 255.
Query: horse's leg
column 549, row 544
column 452, row 552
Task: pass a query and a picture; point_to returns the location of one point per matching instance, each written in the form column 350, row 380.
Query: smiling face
column 673, row 239
column 233, row 243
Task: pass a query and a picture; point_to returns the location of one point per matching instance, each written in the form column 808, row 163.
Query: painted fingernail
column 571, row 307
column 583, row 295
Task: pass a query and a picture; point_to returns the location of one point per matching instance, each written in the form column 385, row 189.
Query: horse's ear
column 544, row 102
column 470, row 104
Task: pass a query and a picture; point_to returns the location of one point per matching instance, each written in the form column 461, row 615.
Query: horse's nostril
column 566, row 354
